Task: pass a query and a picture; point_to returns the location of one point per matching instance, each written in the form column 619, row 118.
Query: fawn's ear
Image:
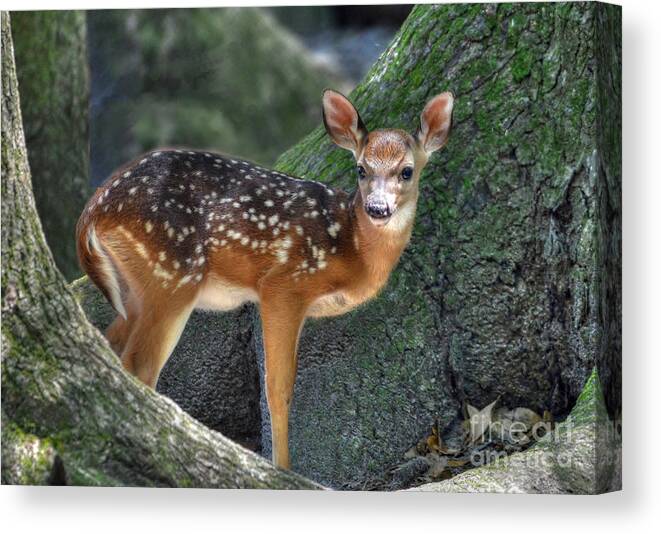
column 435, row 122
column 342, row 121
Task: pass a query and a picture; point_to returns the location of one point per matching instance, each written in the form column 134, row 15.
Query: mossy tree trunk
column 51, row 66
column 510, row 285
column 70, row 415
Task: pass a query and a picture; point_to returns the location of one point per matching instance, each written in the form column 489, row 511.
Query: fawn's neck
column 379, row 248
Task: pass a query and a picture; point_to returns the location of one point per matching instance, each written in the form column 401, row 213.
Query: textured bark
column 69, row 412
column 609, row 198
column 51, row 65
column 510, row 285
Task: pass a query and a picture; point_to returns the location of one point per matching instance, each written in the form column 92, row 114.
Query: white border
column 102, row 510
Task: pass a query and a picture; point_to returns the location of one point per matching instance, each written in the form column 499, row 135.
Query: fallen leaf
column 432, row 443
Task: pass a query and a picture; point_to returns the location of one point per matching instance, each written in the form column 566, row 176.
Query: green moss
column 590, row 406
column 26, row 459
column 522, row 64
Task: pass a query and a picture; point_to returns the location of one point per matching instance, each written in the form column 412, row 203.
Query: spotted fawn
column 178, row 230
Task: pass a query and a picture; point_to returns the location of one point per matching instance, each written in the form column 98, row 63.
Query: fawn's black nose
column 377, row 210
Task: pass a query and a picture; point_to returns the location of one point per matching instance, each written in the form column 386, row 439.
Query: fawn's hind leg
column 155, row 334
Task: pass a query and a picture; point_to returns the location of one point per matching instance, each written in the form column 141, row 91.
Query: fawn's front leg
column 282, row 320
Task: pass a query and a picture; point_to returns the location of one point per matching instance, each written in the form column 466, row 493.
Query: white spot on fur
column 141, row 250
column 282, row 255
column 184, row 280
column 159, row 272
column 333, row 229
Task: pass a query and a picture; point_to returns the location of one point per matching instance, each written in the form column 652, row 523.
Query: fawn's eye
column 361, row 171
column 407, row 173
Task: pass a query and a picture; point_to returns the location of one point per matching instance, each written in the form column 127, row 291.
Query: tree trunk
column 51, row 59
column 510, row 285
column 70, row 415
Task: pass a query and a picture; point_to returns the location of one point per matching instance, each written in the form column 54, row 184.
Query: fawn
column 178, row 230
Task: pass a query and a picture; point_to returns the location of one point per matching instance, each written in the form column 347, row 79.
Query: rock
column 212, row 373
column 583, row 455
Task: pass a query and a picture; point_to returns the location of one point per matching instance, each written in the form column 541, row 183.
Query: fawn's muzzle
column 378, row 209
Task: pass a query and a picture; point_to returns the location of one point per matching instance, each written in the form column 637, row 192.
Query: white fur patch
column 402, row 217
column 218, row 294
column 107, row 271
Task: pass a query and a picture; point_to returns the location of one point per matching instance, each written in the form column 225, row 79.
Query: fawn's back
column 179, row 220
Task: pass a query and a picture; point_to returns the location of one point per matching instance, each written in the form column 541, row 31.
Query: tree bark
column 510, row 286
column 70, row 414
column 51, row 59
